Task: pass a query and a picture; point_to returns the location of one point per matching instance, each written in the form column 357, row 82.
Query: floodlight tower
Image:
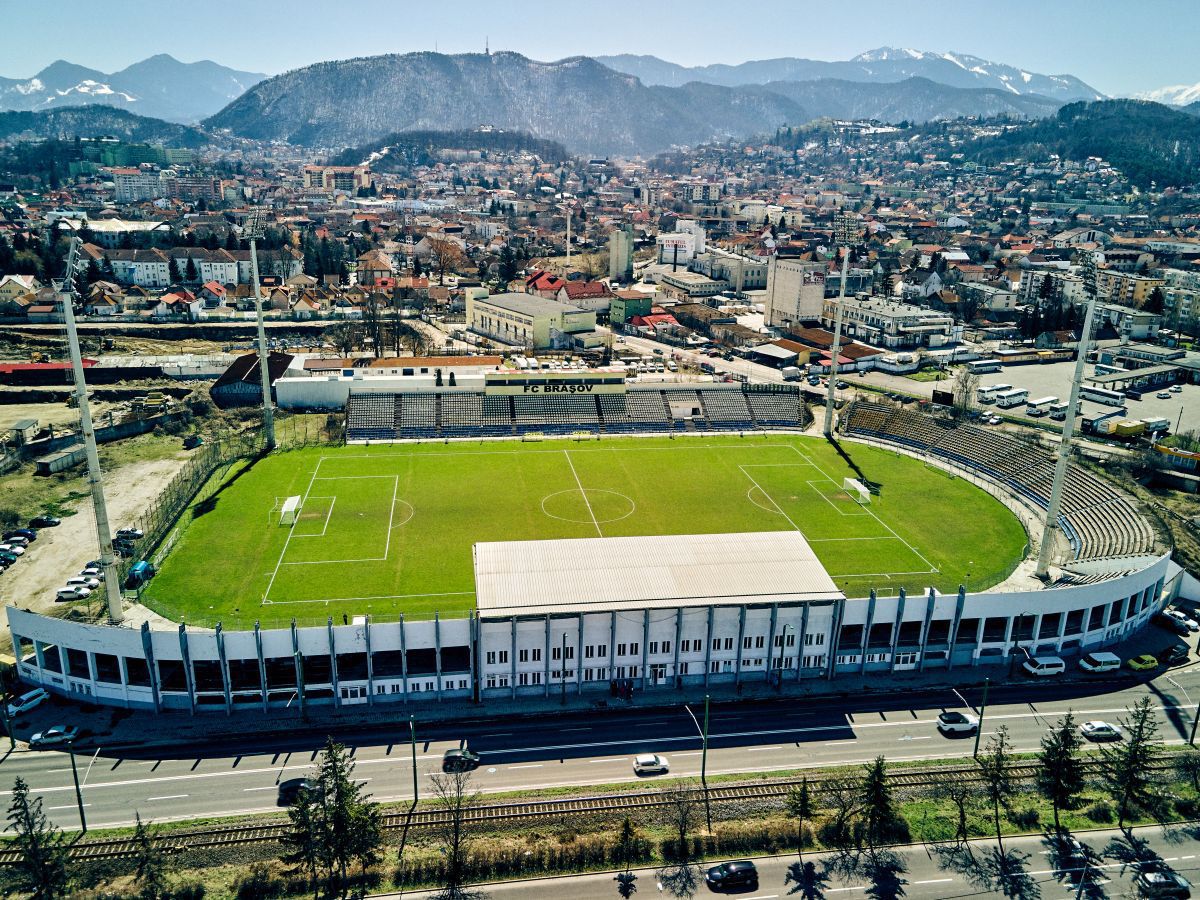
column 108, row 560
column 844, row 231
column 253, row 231
column 1064, row 445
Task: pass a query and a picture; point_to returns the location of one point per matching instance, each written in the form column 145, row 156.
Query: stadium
column 522, row 539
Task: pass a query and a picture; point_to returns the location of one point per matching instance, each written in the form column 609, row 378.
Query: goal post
column 290, row 511
column 857, row 491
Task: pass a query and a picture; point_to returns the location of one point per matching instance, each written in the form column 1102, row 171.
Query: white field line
column 821, row 494
column 291, row 529
column 586, row 501
column 772, row 499
column 328, row 514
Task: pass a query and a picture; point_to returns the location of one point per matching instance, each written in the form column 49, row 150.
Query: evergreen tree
column 1128, row 766
column 799, row 805
column 998, row 786
column 41, row 867
column 190, row 272
column 150, row 865
column 880, row 817
column 1060, row 775
column 1155, row 302
column 173, row 274
column 91, row 274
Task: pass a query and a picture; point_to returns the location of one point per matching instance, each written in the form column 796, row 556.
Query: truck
column 792, row 373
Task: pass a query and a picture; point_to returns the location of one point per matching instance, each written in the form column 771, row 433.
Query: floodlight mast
column 1046, row 549
column 254, row 230
column 844, row 231
column 108, row 561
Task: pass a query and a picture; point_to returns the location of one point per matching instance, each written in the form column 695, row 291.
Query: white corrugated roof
column 538, row 577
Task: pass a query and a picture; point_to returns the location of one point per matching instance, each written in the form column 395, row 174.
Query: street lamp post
column 982, row 709
column 78, row 792
column 1196, row 718
column 703, row 758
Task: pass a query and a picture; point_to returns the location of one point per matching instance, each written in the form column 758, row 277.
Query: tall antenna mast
column 254, row 229
column 844, row 231
column 108, row 561
column 1064, row 444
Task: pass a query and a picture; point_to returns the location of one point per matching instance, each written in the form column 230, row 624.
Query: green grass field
column 389, row 529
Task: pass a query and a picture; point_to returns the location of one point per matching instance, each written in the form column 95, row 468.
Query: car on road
column 1180, row 616
column 1160, row 882
column 54, row 736
column 954, row 722
column 1100, row 731
column 1175, row 655
column 290, row 790
column 460, row 759
column 842, row 385
column 27, row 701
column 651, row 764
column 1177, row 389
column 1143, row 663
column 1100, row 662
column 1171, row 624
column 75, row 592
column 739, row 873
column 45, row 522
column 1163, row 395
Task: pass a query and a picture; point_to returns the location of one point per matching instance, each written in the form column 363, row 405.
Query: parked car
column 740, row 873
column 27, row 701
column 1172, row 624
column 1180, row 616
column 1160, row 882
column 289, row 790
column 460, row 760
column 45, row 522
column 52, row 737
column 1163, row 395
column 75, row 592
column 28, row 533
column 1044, row 666
column 1175, row 655
column 17, row 540
column 1100, row 662
column 954, row 722
column 14, row 549
column 83, row 581
column 1143, row 663
column 651, row 764
column 91, row 571
column 1100, row 731
column 1177, row 389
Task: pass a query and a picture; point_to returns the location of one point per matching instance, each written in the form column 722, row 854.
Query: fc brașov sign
column 555, row 383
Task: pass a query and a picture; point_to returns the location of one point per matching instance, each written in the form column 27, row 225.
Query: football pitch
column 386, row 530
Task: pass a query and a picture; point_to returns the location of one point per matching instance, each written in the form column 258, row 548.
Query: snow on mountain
column 1172, row 95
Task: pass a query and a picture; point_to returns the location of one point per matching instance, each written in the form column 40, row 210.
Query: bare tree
column 444, row 255
column 962, row 795
column 454, row 798
column 966, row 383
column 681, row 812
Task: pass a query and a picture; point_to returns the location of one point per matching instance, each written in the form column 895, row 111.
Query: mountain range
column 160, row 86
column 1173, row 95
column 68, row 122
column 883, row 65
column 579, row 102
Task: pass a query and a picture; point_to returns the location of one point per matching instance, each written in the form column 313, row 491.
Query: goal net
column 290, row 511
column 857, row 491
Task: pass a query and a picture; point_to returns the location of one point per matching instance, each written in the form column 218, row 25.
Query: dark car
column 44, row 522
column 289, row 790
column 460, row 760
column 1172, row 625
column 1175, row 655
column 28, row 533
column 729, row 875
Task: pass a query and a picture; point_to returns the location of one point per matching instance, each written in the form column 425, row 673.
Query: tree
column 1127, row 767
column 998, row 786
column 454, row 798
column 1155, row 302
column 879, row 812
column 190, row 272
column 41, row 867
column 173, row 274
column 966, row 383
column 444, row 255
column 962, row 795
column 843, row 798
column 626, row 880
column 150, row 864
column 1060, row 771
column 303, row 848
column 681, row 811
column 799, row 806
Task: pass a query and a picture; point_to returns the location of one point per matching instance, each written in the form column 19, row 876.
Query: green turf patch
column 388, row 530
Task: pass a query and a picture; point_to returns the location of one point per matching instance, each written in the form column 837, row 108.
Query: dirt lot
column 52, row 413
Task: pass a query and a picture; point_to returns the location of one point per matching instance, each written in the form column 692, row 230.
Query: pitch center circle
column 582, row 507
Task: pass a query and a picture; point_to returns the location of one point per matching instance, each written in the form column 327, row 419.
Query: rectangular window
column 683, row 668
column 491, row 657
column 716, row 643
column 621, row 650
column 714, row 667
column 666, row 647
column 503, row 655
column 535, row 677
column 654, row 648
column 602, row 651
column 523, row 655
column 491, row 681
column 589, row 651
column 759, row 641
column 570, row 652
column 747, row 642
column 523, row 678
column 537, row 654
column 633, row 648
column 729, row 643
column 556, row 653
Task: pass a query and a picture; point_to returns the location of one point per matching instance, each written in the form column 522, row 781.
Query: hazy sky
column 1116, row 46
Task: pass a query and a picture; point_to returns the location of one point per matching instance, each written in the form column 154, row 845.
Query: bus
column 988, row 394
column 1101, row 395
column 1058, row 411
column 1040, row 407
column 983, row 366
column 1012, row 397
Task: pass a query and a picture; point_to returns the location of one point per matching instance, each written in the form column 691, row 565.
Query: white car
column 1100, row 731
column 27, row 701
column 83, row 581
column 1182, row 617
column 994, row 420
column 1176, row 389
column 954, row 722
column 75, row 592
column 14, row 549
column 651, row 764
column 52, row 737
column 90, row 572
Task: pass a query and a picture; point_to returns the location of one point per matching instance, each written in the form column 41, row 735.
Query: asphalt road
column 927, row 873
column 579, row 749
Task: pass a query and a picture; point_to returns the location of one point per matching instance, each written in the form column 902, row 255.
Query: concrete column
column 476, row 661
column 800, row 637
column 334, row 681
column 612, row 645
column 579, row 657
column 708, row 646
column 839, row 615
column 645, row 647
column 151, row 666
column 737, row 678
column 512, row 659
column 866, row 641
column 978, row 639
column 404, row 657
column 771, row 645
column 186, row 656
column 124, row 670
column 224, row 669
column 370, row 661
column 896, row 630
column 262, row 664
column 546, row 659
column 1062, row 630
column 676, row 678
column 1037, row 631
column 958, row 611
column 1008, row 636
column 298, row 661
column 437, row 653
column 931, row 602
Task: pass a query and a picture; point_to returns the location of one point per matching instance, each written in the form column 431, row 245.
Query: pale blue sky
column 1115, row 45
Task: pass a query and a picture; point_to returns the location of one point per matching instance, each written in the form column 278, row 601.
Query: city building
column 892, row 323
column 620, row 255
column 795, row 292
column 526, row 320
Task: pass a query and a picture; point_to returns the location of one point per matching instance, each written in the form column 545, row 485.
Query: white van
column 1100, row 662
column 1044, row 666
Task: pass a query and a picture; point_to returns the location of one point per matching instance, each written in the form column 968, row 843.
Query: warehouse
column 526, row 320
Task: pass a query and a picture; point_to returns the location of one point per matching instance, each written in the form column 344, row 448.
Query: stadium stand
column 647, row 409
column 1098, row 520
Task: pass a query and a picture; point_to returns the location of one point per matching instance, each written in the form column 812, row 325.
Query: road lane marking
column 169, row 797
column 528, row 766
column 68, row 806
column 935, row 881
column 269, row 787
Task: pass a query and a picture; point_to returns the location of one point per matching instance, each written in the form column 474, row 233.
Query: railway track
column 240, row 835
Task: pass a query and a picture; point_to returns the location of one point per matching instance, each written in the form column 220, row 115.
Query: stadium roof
column 521, row 578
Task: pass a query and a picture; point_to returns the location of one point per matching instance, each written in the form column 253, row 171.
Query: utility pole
column 703, row 758
column 108, row 560
column 1064, row 444
column 982, row 709
column 78, row 792
column 843, row 233
column 254, row 229
column 412, row 730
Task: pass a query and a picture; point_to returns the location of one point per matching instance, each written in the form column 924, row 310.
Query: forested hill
column 402, row 150
column 1147, row 141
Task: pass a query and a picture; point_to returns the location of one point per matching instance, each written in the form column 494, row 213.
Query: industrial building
column 529, row 321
